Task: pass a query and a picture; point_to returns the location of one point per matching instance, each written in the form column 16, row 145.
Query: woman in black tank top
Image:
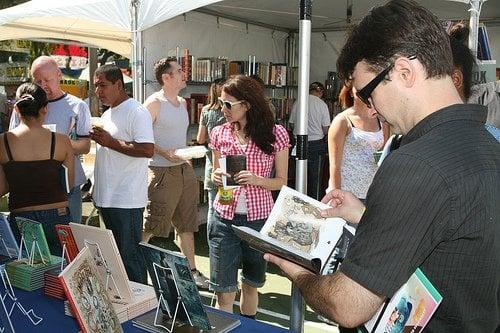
column 33, row 161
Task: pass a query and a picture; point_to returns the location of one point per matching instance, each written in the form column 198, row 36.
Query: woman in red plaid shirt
column 250, row 131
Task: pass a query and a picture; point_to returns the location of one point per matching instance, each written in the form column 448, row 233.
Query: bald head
column 47, row 74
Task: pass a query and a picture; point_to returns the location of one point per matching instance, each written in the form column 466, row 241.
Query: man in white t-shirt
column 125, row 144
column 68, row 115
column 318, row 122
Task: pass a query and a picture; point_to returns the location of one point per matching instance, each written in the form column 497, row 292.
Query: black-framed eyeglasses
column 228, row 104
column 365, row 93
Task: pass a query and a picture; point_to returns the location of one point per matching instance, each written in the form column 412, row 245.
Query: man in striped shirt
column 434, row 202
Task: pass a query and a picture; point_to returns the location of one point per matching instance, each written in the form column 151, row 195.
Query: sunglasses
column 365, row 93
column 228, row 104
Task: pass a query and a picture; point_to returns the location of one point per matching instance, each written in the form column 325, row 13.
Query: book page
column 295, row 220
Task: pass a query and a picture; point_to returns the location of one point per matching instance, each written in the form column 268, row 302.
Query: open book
column 409, row 310
column 296, row 231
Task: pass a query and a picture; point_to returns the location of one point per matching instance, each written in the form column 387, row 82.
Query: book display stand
column 9, row 291
column 101, row 261
column 158, row 312
column 31, row 253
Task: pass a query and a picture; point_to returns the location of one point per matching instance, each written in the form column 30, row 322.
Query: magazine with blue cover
column 409, row 310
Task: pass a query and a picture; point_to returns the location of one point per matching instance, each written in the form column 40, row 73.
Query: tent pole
column 475, row 12
column 297, row 311
column 137, row 53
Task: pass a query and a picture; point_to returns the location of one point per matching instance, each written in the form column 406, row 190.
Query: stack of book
column 144, row 301
column 52, row 286
column 30, row 277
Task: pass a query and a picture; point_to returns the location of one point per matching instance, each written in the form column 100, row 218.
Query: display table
column 55, row 321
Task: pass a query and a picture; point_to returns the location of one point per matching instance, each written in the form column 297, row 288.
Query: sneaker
column 201, row 280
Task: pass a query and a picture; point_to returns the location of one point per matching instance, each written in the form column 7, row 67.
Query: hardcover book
column 296, row 231
column 104, row 250
column 232, row 164
column 66, row 239
column 173, row 282
column 86, row 294
column 34, row 238
column 409, row 310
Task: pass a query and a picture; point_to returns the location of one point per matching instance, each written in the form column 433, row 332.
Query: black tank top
column 33, row 183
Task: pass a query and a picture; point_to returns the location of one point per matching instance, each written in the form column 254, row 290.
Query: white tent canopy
column 103, row 23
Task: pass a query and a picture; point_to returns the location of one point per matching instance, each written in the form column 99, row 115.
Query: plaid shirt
column 259, row 200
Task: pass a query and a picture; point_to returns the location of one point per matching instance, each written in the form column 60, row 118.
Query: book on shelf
column 86, row 294
column 296, row 231
column 409, row 310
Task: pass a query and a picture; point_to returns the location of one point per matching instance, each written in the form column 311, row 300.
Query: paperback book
column 295, row 230
column 88, row 298
column 409, row 310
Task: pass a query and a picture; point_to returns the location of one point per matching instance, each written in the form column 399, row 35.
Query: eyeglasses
column 365, row 93
column 228, row 104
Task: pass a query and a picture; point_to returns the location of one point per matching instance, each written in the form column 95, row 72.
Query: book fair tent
column 146, row 30
column 112, row 24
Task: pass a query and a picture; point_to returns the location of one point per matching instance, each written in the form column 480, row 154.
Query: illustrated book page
column 87, row 296
column 296, row 231
column 410, row 309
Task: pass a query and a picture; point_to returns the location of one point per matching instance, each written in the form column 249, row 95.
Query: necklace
column 242, row 139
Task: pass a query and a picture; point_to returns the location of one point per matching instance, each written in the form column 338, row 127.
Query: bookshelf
column 279, row 79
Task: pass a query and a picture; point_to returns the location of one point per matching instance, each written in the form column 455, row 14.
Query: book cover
column 64, row 178
column 296, row 231
column 9, row 249
column 86, row 294
column 175, row 283
column 409, row 310
column 102, row 246
column 234, row 164
column 66, row 239
column 33, row 234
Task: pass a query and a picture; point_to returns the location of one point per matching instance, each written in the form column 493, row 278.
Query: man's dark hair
column 316, row 86
column 112, row 73
column 398, row 28
column 463, row 59
column 161, row 67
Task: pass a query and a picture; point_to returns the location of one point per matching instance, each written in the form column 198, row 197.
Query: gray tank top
column 170, row 128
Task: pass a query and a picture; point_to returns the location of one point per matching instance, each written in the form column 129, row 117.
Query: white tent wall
column 494, row 37
column 201, row 34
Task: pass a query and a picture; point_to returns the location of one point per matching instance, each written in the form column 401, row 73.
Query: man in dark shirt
column 434, row 204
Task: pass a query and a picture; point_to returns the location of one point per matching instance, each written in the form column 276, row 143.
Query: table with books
column 55, row 321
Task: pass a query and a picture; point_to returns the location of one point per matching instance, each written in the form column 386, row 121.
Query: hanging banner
column 15, row 45
column 15, row 72
column 70, row 56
